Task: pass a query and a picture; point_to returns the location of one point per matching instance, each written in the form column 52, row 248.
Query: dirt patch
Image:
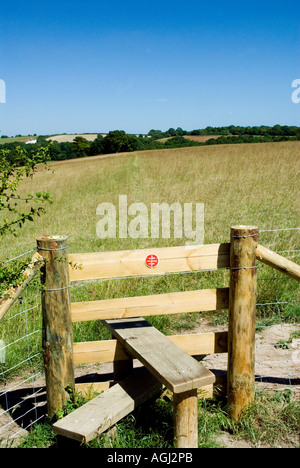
column 277, row 358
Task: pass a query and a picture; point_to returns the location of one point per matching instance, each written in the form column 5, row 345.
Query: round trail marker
column 151, row 261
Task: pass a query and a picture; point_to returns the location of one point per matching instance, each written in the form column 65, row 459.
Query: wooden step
column 105, row 410
column 178, row 371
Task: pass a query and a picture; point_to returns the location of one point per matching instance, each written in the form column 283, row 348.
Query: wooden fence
column 59, row 313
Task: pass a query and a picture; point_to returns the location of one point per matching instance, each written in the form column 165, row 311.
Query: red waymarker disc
column 151, row 261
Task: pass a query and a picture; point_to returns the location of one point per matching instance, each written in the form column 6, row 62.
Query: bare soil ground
column 277, row 368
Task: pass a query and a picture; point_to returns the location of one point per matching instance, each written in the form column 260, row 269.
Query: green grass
column 237, row 184
column 271, row 421
column 254, row 184
column 20, row 139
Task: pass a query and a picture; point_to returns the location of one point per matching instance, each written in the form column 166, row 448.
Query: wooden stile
column 167, row 359
column 101, row 265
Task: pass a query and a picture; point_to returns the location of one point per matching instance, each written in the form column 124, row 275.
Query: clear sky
column 95, row 66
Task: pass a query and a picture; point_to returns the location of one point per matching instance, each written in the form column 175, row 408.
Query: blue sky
column 97, row 66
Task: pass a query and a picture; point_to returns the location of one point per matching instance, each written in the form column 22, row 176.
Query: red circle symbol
column 151, row 261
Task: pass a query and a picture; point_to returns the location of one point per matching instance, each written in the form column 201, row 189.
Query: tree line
column 119, row 141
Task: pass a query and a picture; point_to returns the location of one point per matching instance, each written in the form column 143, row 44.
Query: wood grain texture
column 178, row 371
column 107, row 350
column 185, row 408
column 103, row 411
column 99, row 265
column 57, row 338
column 241, row 324
column 159, row 304
column 280, row 263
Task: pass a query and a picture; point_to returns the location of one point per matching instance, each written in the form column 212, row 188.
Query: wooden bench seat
column 105, row 410
column 178, row 371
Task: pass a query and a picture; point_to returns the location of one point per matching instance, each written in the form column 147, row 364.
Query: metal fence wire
column 21, row 368
column 22, row 386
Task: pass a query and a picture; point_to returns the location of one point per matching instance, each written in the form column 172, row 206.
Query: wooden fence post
column 241, row 326
column 57, row 324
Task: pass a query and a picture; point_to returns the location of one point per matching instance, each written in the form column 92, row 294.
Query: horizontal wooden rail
column 10, row 296
column 108, row 351
column 278, row 262
column 100, row 265
column 159, row 304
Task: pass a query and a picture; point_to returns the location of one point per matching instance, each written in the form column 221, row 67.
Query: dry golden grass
column 255, row 184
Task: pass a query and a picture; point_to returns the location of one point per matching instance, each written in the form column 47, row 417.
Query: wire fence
column 21, row 368
column 277, row 356
column 22, row 386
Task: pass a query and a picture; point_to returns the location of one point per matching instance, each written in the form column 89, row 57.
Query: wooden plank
column 192, row 344
column 89, row 389
column 124, row 263
column 178, row 371
column 103, row 411
column 98, row 351
column 159, row 304
column 201, row 343
column 10, row 296
column 278, row 262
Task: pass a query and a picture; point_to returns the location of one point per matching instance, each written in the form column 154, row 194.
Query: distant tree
column 156, row 133
column 180, row 132
column 172, row 132
column 96, row 146
column 81, row 146
column 118, row 141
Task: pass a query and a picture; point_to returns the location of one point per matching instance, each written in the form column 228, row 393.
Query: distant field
column 70, row 138
column 256, row 184
column 201, row 138
column 238, row 184
column 58, row 138
column 198, row 138
column 93, row 136
column 21, row 139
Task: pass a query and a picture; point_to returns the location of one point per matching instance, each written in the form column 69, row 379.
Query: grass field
column 255, row 184
column 238, row 184
column 70, row 138
column 20, row 139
